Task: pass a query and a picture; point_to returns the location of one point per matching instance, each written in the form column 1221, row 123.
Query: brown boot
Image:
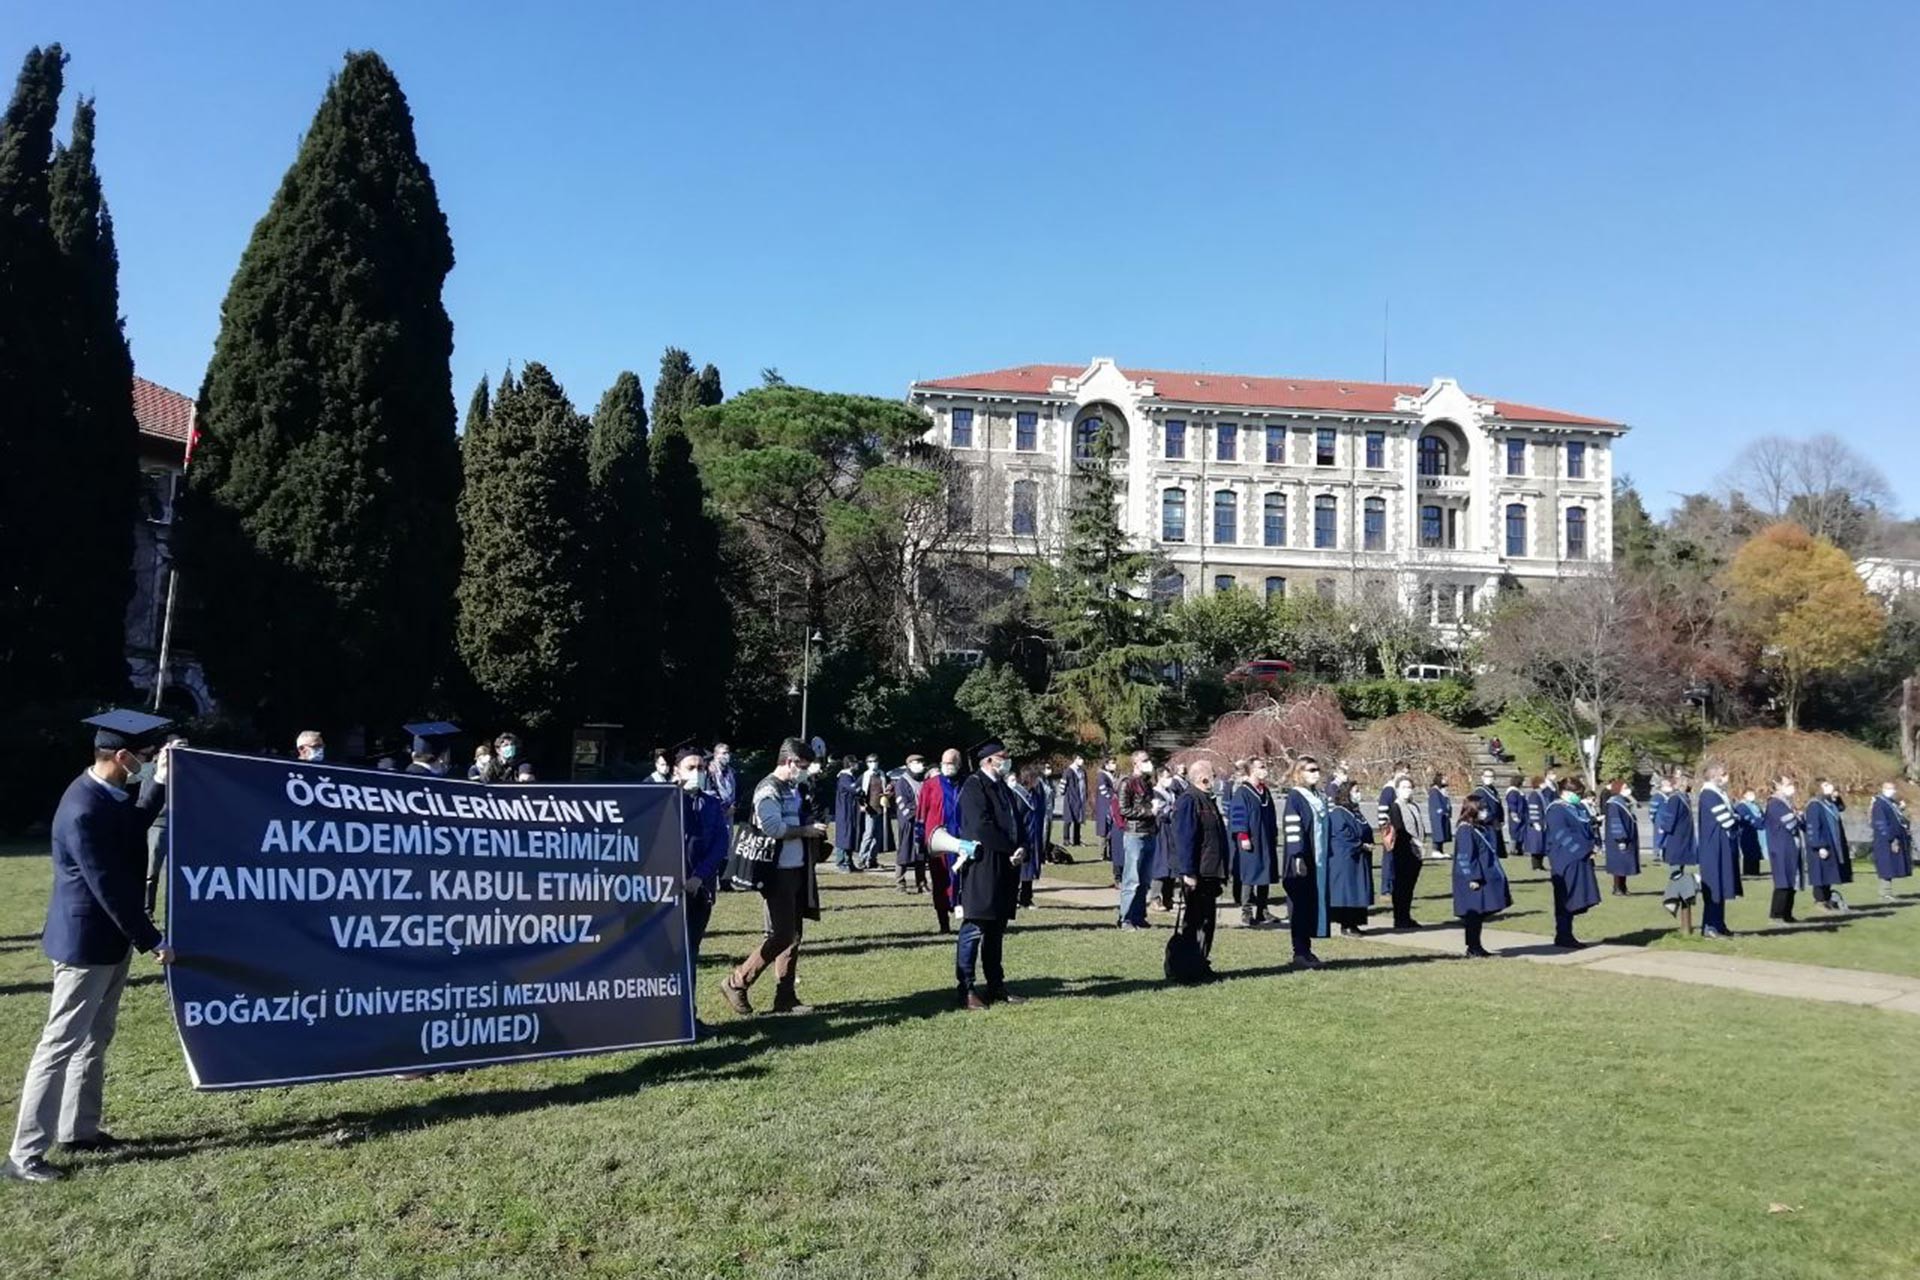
column 736, row 998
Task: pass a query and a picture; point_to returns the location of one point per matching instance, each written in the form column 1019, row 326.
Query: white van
column 1428, row 672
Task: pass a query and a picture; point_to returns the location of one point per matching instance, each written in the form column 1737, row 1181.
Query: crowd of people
column 1178, row 837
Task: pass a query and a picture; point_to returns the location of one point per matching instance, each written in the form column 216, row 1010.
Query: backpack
column 1185, row 962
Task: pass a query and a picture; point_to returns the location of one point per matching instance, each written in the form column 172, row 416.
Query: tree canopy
column 1800, row 603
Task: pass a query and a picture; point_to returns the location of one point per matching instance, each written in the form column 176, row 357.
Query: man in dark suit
column 990, row 876
column 94, row 918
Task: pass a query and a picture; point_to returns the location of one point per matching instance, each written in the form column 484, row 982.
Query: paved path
column 1739, row 973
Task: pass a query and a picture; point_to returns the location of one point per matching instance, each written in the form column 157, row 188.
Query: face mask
column 1404, row 791
column 916, row 769
column 691, row 782
column 873, row 764
column 141, row 774
column 317, row 754
column 1145, row 770
column 948, row 770
column 813, row 768
column 509, row 751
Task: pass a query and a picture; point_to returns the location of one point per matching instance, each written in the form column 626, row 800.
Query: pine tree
column 33, row 513
column 100, row 440
column 626, row 544
column 670, row 389
column 696, row 650
column 478, row 406
column 526, row 576
column 321, row 498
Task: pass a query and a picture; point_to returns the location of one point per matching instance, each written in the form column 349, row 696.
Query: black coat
column 990, row 881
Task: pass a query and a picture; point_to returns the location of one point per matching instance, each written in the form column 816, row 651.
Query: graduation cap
column 991, row 747
column 430, row 735
column 123, row 730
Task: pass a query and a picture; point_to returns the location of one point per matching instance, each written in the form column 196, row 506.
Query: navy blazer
column 98, row 907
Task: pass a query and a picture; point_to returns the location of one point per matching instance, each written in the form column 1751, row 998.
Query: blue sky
column 1696, row 218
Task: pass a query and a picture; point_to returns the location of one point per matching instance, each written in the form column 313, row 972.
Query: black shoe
column 102, row 1141
column 1479, row 953
column 1350, row 931
column 972, row 1003
column 1408, row 923
column 1308, row 960
column 1004, row 996
column 1570, row 944
column 32, row 1169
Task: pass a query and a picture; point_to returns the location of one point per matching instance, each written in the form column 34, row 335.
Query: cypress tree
column 99, row 444
column 707, row 393
column 696, row 653
column 626, row 542
column 33, row 513
column 479, row 405
column 526, row 576
column 670, row 389
column 321, row 499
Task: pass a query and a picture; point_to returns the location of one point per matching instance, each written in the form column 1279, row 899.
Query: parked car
column 1260, row 672
column 1428, row 672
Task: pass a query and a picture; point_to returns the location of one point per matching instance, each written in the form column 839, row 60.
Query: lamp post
column 811, row 638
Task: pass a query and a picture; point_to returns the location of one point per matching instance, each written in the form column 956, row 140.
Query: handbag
column 751, row 863
column 1185, row 963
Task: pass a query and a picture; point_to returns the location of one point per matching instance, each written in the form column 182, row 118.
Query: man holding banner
column 95, row 917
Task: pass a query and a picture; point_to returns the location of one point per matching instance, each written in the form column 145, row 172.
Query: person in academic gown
column 1673, row 825
column 1166, row 792
column 848, row 813
column 1480, row 886
column 1253, row 822
column 1622, row 837
column 1198, row 853
column 1495, row 810
column 989, row 878
column 910, row 842
column 1349, row 863
column 1106, row 788
column 1829, row 857
column 1306, row 840
column 1116, row 838
column 432, row 741
column 1750, row 835
column 1892, row 840
column 1716, row 849
column 1784, row 854
column 939, row 806
column 1073, row 796
column 1515, row 803
column 1439, row 813
column 1029, row 795
column 1569, row 840
column 1546, row 790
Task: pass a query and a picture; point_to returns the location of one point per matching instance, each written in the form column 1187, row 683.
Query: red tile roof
column 1245, row 391
column 160, row 411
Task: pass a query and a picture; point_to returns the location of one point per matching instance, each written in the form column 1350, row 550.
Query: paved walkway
column 1739, row 973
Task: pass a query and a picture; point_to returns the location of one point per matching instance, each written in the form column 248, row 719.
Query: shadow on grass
column 734, row 1051
column 42, row 988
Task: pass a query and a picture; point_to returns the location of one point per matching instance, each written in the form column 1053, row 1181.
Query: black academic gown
column 989, row 882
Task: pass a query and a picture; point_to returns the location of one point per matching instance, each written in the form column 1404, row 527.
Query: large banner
column 333, row 922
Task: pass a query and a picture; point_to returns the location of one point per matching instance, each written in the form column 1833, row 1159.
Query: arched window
column 1086, row 434
column 1431, row 527
column 1274, row 520
column 1026, row 507
column 1173, row 515
column 1433, row 456
column 1576, row 533
column 1326, row 521
column 1516, row 529
column 1226, row 517
column 1374, row 525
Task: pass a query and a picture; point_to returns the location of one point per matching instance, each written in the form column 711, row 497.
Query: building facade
column 1351, row 490
column 165, row 419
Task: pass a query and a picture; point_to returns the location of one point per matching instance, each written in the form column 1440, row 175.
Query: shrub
column 1450, row 700
column 1429, row 745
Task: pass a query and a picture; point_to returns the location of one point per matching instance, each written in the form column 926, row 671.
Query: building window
column 1324, row 588
column 1433, row 456
column 1516, row 457
column 1169, row 586
column 1374, row 524
column 1430, row 526
column 1173, row 515
column 1022, row 576
column 1176, row 438
column 1273, row 520
column 1226, row 442
column 1276, row 446
column 1376, row 449
column 1276, row 589
column 1425, row 605
column 1323, row 447
column 1576, row 460
column 1222, row 582
column 960, row 502
column 1226, row 517
column 1086, row 433
column 1026, row 432
column 1026, row 507
column 1466, row 598
column 1576, row 533
column 156, row 496
column 1449, row 605
column 1326, row 521
column 963, row 428
column 1516, row 529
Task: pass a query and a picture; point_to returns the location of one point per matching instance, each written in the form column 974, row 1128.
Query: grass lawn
column 1397, row 1115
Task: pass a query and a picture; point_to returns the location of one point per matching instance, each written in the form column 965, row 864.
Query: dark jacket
column 1199, row 845
column 1136, row 806
column 989, row 881
column 98, row 907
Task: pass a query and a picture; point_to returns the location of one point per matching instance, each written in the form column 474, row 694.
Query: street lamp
column 811, row 638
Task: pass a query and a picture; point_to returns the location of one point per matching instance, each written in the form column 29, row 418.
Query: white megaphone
column 940, row 840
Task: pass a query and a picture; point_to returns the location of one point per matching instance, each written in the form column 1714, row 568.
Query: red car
column 1261, row 671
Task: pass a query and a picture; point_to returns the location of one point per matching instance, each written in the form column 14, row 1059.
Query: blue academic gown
column 1716, row 845
column 1569, row 839
column 1103, row 822
column 1304, row 842
column 99, row 846
column 1783, row 845
column 909, row 840
column 1349, row 861
column 1032, row 820
column 1623, row 837
column 1892, row 841
column 1825, row 830
column 1496, row 818
column 1515, row 807
column 846, row 812
column 1382, row 817
column 1533, row 837
column 1253, row 825
column 1475, row 859
column 1673, row 831
column 1439, row 817
column 1750, row 836
column 1044, row 793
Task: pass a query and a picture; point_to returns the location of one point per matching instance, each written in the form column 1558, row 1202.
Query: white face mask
column 1887, row 793
column 691, row 781
column 916, row 768
column 141, row 774
column 1404, row 791
column 316, row 754
column 872, row 765
column 1145, row 769
column 948, row 770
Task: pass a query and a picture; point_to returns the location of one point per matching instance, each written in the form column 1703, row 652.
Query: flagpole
column 173, row 574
